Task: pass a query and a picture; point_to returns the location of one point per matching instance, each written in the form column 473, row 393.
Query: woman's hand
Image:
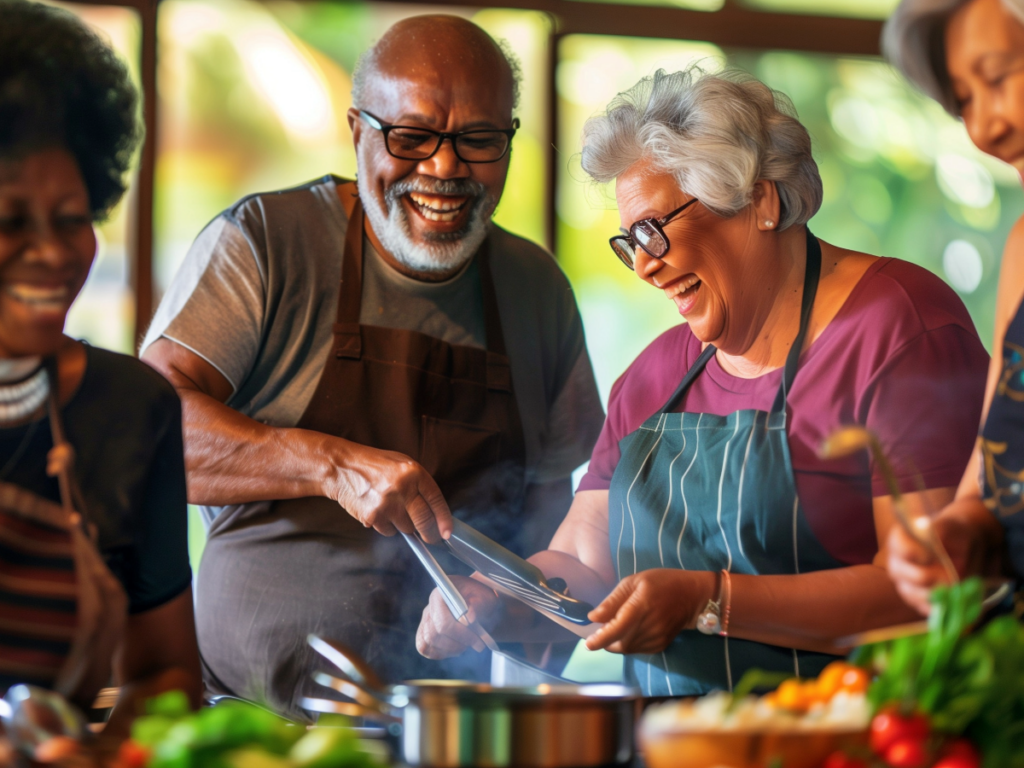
column 440, row 636
column 647, row 610
column 963, row 528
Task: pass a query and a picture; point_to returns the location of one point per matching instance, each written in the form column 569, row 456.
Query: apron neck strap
column 812, row 274
column 351, row 293
column 61, row 459
column 350, row 297
column 492, row 317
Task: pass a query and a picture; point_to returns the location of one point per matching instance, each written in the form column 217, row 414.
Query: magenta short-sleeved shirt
column 901, row 357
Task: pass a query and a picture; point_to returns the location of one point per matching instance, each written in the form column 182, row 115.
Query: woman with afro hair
column 95, row 585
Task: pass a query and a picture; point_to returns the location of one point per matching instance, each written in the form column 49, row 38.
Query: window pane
column 254, row 97
column 104, row 312
column 900, row 179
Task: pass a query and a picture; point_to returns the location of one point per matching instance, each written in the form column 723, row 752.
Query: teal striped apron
column 704, row 492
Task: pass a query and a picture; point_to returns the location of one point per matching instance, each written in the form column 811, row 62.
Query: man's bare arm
column 231, row 458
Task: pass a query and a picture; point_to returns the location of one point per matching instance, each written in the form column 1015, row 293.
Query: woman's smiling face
column 47, row 246
column 707, row 271
column 985, row 62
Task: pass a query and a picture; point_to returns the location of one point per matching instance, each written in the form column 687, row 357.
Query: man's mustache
column 458, row 187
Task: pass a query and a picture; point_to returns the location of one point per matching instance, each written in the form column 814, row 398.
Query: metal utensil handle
column 456, row 602
column 347, row 708
column 344, row 663
column 353, row 691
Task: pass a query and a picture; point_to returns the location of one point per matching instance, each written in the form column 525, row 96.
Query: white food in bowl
column 712, row 713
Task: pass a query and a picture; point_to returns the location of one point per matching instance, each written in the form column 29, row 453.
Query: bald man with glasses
column 365, row 358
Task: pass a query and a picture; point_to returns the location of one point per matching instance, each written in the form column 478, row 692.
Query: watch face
column 709, row 622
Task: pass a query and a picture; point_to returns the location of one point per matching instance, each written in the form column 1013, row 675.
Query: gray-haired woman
column 723, row 539
column 969, row 56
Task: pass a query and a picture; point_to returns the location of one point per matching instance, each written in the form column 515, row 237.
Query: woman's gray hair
column 717, row 134
column 914, row 41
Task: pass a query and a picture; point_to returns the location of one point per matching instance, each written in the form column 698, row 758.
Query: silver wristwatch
column 709, row 621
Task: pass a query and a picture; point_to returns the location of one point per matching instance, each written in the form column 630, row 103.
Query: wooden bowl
column 747, row 749
column 715, row 732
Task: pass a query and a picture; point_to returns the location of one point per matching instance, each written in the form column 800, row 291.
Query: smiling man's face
column 445, row 74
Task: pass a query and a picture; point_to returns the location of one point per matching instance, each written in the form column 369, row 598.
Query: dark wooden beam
column 142, row 231
column 734, row 26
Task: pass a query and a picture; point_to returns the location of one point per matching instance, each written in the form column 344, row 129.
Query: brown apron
column 58, row 591
column 269, row 578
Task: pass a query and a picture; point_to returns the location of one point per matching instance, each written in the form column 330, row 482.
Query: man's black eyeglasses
column 648, row 234
column 487, row 145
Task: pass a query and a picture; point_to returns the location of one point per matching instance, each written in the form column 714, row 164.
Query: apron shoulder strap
column 348, row 194
column 499, row 370
column 347, row 336
column 691, row 374
column 812, row 274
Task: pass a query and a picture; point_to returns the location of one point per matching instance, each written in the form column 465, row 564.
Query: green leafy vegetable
column 234, row 734
column 968, row 683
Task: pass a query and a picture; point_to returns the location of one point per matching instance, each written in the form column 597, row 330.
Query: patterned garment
column 1002, row 444
column 38, row 603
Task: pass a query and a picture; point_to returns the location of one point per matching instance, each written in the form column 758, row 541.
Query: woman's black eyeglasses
column 648, row 234
column 407, row 142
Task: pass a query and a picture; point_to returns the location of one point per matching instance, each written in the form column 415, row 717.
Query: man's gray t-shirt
column 257, row 297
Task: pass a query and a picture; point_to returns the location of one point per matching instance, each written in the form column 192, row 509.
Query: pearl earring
column 769, row 223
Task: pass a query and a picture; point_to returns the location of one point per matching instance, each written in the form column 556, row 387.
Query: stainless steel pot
column 448, row 724
column 451, row 723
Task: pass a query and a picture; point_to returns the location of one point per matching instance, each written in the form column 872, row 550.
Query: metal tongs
column 518, row 578
column 460, row 609
column 453, row 598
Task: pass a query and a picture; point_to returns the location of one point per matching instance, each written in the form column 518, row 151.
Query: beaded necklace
column 24, row 386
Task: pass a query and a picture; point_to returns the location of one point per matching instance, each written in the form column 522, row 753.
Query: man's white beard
column 447, row 252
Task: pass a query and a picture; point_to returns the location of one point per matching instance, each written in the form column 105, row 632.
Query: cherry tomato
column 889, row 726
column 132, row 755
column 843, row 760
column 906, row 753
column 959, row 754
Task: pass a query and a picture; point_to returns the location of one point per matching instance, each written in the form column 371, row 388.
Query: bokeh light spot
column 962, row 264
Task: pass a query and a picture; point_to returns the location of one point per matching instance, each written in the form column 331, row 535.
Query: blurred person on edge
column 448, row 374
column 969, row 56
column 708, row 531
column 95, row 584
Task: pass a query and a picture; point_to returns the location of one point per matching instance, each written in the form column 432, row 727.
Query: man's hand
column 440, row 636
column 232, row 459
column 389, row 492
column 916, row 572
column 646, row 611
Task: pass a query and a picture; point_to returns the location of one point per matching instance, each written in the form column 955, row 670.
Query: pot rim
column 413, row 690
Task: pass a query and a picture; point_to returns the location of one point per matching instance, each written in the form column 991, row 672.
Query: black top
column 1002, row 444
column 124, row 422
